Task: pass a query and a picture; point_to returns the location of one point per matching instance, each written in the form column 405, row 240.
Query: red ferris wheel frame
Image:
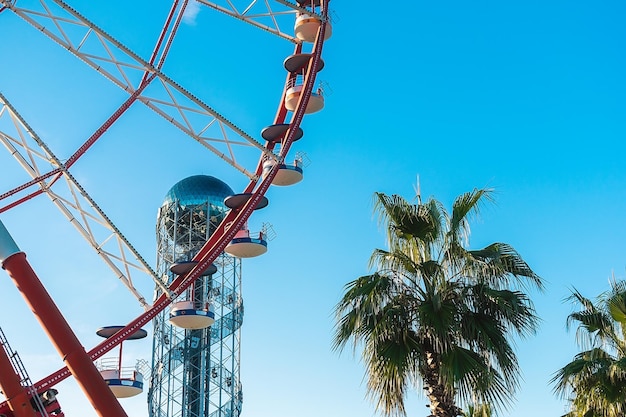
column 235, row 218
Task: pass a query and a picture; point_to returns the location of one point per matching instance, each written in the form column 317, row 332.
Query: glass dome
column 198, row 189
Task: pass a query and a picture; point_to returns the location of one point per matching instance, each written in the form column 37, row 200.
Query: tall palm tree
column 435, row 314
column 595, row 380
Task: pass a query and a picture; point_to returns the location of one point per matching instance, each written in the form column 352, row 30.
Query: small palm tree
column 594, row 382
column 436, row 314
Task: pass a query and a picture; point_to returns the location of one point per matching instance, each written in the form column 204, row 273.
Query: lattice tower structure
column 195, row 372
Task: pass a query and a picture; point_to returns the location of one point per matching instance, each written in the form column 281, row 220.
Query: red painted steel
column 281, row 113
column 16, row 394
column 170, row 39
column 159, row 42
column 30, row 183
column 84, row 147
column 20, row 201
column 65, row 341
column 109, row 122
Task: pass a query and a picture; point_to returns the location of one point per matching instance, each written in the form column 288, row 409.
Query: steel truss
column 73, row 201
column 83, row 38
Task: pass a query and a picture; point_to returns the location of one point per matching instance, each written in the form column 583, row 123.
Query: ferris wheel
column 304, row 24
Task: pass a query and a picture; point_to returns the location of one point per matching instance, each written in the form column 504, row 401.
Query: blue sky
column 524, row 97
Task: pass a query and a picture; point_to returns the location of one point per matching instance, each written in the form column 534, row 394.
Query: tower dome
column 191, row 211
column 197, row 189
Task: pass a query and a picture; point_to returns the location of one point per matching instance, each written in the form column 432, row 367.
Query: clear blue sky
column 525, row 97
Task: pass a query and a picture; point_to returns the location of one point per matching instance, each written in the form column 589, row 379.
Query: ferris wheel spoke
column 21, row 126
column 272, row 16
column 21, row 139
column 202, row 123
column 126, row 69
column 74, row 203
column 86, row 41
column 118, row 256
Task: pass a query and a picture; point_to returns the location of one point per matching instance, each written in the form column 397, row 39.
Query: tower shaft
column 195, row 371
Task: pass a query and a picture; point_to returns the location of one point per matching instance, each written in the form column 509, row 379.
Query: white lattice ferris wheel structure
column 145, row 83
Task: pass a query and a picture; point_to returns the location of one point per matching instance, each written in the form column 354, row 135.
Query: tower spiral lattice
column 196, row 371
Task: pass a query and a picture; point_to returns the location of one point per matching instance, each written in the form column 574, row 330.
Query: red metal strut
column 10, row 383
column 63, row 338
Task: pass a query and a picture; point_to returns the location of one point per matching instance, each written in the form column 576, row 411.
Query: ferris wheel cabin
column 244, row 244
column 292, row 96
column 124, row 382
column 297, row 64
column 276, row 133
column 287, row 174
column 307, row 25
column 187, row 314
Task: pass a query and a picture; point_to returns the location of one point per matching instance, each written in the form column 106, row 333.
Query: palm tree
column 436, row 314
column 594, row 382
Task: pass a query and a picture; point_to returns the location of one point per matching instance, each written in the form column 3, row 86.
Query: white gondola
column 245, row 246
column 307, row 25
column 287, row 174
column 123, row 382
column 185, row 315
column 292, row 95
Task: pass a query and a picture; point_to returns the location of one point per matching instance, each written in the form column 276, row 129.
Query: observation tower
column 195, row 361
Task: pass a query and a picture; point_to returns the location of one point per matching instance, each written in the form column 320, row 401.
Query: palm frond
column 363, row 300
column 594, row 324
column 464, row 206
column 397, row 261
column 475, row 379
column 412, row 228
column 510, row 308
column 405, row 219
column 594, row 382
column 615, row 300
column 478, row 410
column 437, row 314
column 391, row 355
column 577, row 297
column 502, row 265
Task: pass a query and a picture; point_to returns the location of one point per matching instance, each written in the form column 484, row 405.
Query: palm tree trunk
column 441, row 400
